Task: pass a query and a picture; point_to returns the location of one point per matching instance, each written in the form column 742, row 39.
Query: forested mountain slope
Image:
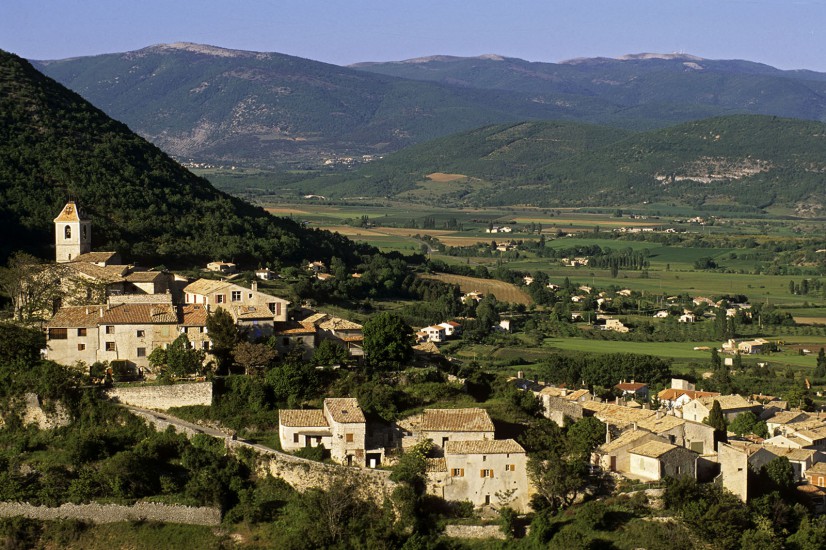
column 54, row 145
column 742, row 159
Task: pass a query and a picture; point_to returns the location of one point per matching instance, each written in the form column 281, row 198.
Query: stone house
column 656, row 460
column 193, row 320
column 254, row 311
column 613, row 456
column 484, row 472
column 72, row 335
column 674, row 398
column 443, row 425
column 348, row 429
column 303, row 428
column 340, row 426
column 347, row 332
column 698, row 409
column 290, row 334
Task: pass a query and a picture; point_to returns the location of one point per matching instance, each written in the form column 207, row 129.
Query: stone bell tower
column 73, row 234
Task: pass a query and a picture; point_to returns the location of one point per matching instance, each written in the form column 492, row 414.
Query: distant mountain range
column 55, row 146
column 267, row 109
column 739, row 160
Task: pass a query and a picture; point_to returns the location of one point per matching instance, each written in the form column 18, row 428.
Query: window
column 110, row 346
column 84, row 232
column 110, row 329
column 250, row 295
column 295, row 438
column 141, row 334
column 484, row 458
column 81, row 347
column 510, row 467
column 58, row 334
column 236, row 296
column 205, row 345
column 457, row 472
column 348, row 438
column 81, row 332
column 141, row 352
column 486, row 473
column 67, row 232
column 275, row 308
column 219, row 298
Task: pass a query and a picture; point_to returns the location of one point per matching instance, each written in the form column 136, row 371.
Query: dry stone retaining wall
column 113, row 513
column 474, row 532
column 164, row 397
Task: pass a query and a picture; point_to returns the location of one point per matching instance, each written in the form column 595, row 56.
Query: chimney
column 87, row 311
column 607, row 433
column 101, row 311
column 617, row 401
column 254, row 286
column 659, row 415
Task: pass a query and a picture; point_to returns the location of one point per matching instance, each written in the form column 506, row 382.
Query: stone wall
column 557, row 408
column 33, row 413
column 300, row 473
column 163, row 397
column 474, row 532
column 113, row 513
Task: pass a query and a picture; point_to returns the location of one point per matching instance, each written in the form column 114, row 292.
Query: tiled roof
column 435, row 465
column 76, row 317
column 144, row 276
column 292, row 327
column 671, row 394
column 787, row 417
column 205, row 286
column 791, row 454
column 70, row 213
column 727, row 402
column 251, row 312
column 95, row 257
column 193, row 315
column 314, row 318
column 625, row 438
column 108, row 274
column 336, row 323
column 456, row 420
column 139, row 314
column 653, row 449
column 662, row 424
column 427, row 347
column 302, row 418
column 345, row 410
column 483, row 447
column 628, row 386
column 616, row 414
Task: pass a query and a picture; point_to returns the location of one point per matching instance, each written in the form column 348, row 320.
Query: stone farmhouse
column 484, row 472
column 698, row 409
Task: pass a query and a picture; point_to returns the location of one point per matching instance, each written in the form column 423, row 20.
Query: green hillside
column 743, row 159
column 54, row 145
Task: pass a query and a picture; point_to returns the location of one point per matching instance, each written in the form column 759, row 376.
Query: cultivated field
column 505, row 292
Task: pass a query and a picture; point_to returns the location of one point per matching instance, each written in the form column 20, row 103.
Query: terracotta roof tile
column 483, row 447
column 144, row 276
column 139, row 314
column 302, row 418
column 456, row 420
column 295, row 328
column 193, row 315
column 205, row 286
column 345, row 410
column 76, row 317
column 338, row 324
column 95, row 257
column 625, row 438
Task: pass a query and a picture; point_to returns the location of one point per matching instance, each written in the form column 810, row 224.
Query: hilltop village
column 161, row 338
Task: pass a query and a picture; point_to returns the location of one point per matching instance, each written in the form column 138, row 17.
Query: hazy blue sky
column 788, row 34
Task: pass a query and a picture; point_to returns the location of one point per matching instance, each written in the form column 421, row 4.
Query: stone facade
column 484, row 472
column 558, row 408
column 734, row 470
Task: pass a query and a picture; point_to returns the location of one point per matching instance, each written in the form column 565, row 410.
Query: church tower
column 73, row 234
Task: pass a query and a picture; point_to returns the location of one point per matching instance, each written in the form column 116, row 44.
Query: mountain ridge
column 225, row 106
